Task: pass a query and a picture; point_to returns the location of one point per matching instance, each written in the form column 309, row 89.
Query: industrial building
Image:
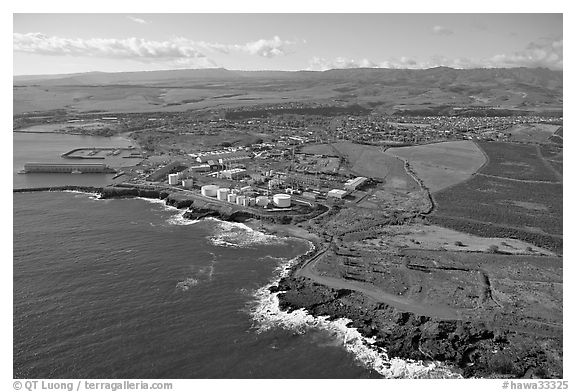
column 282, row 200
column 337, row 193
column 174, row 179
column 231, row 174
column 187, row 183
column 354, row 183
column 309, row 196
column 225, row 156
column 209, row 190
column 198, row 169
column 67, row 168
column 222, row 194
column 262, row 201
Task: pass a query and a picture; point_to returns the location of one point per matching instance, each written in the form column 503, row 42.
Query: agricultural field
column 370, row 161
column 318, row 149
column 494, row 207
column 441, row 165
column 516, row 161
column 532, row 133
column 432, row 237
column 553, row 153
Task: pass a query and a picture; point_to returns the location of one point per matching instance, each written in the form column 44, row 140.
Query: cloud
column 137, row 20
column 129, row 48
column 263, row 47
column 322, row 64
column 442, row 30
column 176, row 51
column 546, row 53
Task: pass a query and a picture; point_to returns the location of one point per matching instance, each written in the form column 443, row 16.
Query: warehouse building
column 354, row 183
column 337, row 193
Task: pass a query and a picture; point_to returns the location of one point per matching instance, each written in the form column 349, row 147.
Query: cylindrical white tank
column 251, row 201
column 262, row 201
column 173, row 179
column 282, row 200
column 232, row 198
column 187, row 183
column 209, row 190
column 240, row 200
column 222, row 194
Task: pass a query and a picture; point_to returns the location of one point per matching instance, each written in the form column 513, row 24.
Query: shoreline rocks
column 473, row 347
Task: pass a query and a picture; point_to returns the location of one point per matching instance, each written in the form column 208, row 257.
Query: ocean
column 127, row 288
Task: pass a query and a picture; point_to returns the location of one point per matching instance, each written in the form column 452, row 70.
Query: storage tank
column 173, row 179
column 282, row 200
column 209, row 190
column 262, row 201
column 232, row 198
column 240, row 200
column 222, row 194
column 251, row 201
column 187, row 183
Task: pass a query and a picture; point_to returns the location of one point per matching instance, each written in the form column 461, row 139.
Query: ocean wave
column 238, row 235
column 198, row 275
column 267, row 314
column 177, row 219
column 91, row 195
column 186, row 284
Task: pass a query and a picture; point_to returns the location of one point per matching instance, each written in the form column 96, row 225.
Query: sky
column 69, row 43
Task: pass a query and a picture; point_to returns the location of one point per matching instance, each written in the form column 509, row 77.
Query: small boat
column 76, row 171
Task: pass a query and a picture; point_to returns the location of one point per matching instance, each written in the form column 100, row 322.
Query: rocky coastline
column 473, row 347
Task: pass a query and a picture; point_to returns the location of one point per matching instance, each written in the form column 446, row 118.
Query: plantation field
column 517, row 161
column 441, row 165
column 494, row 207
column 528, row 133
column 318, row 149
column 370, row 161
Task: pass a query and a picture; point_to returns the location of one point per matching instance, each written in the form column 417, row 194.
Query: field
column 432, row 237
column 370, row 161
column 318, row 149
column 531, row 133
column 440, row 165
column 494, row 207
column 517, row 161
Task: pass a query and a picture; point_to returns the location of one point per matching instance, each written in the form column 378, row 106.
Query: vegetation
column 440, row 165
column 518, row 161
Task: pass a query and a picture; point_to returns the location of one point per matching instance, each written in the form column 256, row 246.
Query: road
column 402, row 303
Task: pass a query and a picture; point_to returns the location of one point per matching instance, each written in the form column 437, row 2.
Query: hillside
column 383, row 90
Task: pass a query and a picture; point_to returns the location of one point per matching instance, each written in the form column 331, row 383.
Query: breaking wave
column 238, row 235
column 91, row 195
column 177, row 219
column 186, row 284
column 266, row 313
column 198, row 275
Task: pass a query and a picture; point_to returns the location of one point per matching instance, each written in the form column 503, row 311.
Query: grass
column 493, row 207
column 517, row 161
column 531, row 133
column 441, row 165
